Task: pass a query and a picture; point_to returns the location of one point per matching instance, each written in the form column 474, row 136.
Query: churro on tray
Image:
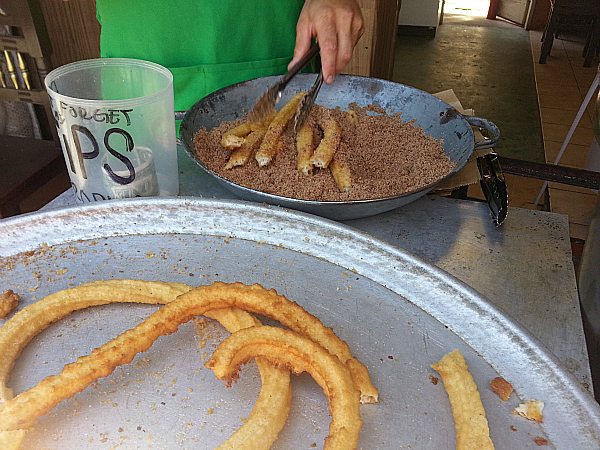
column 308, row 346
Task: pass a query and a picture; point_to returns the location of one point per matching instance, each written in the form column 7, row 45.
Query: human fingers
column 337, row 26
column 304, row 34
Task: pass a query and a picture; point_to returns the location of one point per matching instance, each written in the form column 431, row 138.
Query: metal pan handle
column 179, row 115
column 489, row 129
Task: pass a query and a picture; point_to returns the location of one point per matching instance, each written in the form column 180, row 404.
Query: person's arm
column 337, row 25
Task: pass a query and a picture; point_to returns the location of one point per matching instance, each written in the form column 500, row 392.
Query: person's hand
column 337, row 25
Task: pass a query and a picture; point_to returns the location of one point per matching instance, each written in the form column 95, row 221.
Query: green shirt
column 206, row 44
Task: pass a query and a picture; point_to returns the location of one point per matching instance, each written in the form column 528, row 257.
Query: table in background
column 524, row 267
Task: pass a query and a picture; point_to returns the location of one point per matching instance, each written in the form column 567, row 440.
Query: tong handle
column 307, row 103
column 299, row 65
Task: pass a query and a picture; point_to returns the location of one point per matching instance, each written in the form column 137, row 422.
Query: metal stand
column 569, row 135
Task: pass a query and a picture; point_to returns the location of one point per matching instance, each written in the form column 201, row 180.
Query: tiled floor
column 562, row 84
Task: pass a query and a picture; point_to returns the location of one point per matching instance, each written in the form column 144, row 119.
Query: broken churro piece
column 304, row 146
column 268, row 148
column 472, row 429
column 235, row 137
column 231, row 141
column 240, row 156
column 8, row 302
column 332, row 136
column 531, row 410
column 501, row 387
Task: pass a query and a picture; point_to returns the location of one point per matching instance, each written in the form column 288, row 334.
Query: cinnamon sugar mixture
column 387, row 157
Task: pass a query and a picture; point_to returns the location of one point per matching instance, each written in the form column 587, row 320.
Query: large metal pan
column 437, row 118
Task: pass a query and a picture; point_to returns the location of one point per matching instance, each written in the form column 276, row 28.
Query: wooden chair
column 25, row 53
column 27, row 163
column 571, row 15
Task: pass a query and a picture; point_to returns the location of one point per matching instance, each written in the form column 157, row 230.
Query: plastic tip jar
column 115, row 120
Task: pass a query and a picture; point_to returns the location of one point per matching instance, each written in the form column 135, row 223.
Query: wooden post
column 492, row 10
column 374, row 53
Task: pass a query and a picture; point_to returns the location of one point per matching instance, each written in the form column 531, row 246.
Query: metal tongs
column 266, row 103
column 493, row 186
column 307, row 102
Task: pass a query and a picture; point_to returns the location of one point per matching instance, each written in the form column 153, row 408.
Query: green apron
column 206, row 44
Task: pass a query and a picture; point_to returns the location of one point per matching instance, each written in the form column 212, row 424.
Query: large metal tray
column 398, row 314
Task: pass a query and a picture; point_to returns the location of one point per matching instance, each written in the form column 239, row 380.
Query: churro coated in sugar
column 376, row 156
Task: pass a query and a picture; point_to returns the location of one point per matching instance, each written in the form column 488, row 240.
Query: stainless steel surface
column 525, row 268
column 436, row 118
column 398, row 314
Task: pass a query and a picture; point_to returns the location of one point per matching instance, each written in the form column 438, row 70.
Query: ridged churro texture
column 298, row 354
column 472, row 430
column 259, row 431
column 227, row 303
column 268, row 147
